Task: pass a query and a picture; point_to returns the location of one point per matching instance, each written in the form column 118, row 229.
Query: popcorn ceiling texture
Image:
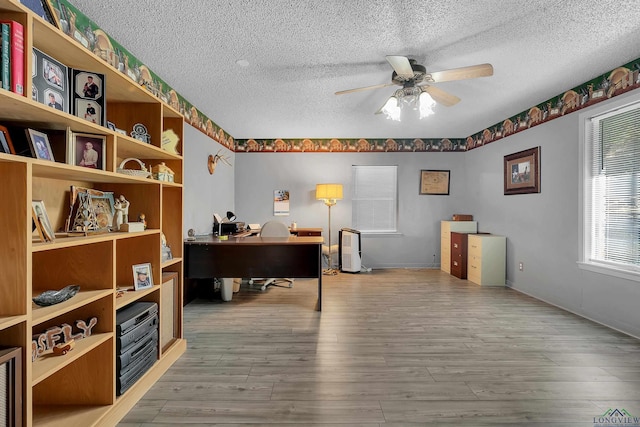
column 301, row 52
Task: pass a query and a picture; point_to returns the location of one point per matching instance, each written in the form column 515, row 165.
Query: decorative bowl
column 55, row 297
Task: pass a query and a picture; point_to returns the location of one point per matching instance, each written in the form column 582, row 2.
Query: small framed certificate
column 434, row 182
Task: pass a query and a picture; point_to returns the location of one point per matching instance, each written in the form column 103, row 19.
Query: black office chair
column 272, row 229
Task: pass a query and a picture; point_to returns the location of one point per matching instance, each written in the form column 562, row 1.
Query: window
column 375, row 198
column 612, row 190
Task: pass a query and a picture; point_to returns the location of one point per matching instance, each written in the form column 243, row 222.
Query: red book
column 16, row 56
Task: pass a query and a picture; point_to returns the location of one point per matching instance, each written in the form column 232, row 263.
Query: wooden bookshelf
column 56, row 391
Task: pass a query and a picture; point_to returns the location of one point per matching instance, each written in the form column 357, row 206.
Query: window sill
column 608, row 270
column 380, row 233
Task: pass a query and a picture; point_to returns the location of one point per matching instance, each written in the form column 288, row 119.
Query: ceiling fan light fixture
column 425, row 105
column 391, row 109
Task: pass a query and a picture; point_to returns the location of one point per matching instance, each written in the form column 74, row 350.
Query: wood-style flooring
column 392, row 348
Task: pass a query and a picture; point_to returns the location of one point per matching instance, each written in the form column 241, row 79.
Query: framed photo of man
column 87, row 150
column 142, row 278
column 50, row 81
column 87, row 93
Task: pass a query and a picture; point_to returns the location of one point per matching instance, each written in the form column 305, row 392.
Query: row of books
column 12, row 56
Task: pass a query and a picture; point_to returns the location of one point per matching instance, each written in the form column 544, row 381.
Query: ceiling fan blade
column 342, row 92
column 440, row 96
column 471, row 72
column 401, row 65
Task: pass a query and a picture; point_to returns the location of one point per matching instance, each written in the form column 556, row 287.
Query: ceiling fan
column 415, row 80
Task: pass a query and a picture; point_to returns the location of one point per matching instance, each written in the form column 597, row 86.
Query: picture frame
column 142, row 276
column 50, row 12
column 435, row 182
column 87, row 150
column 41, row 219
column 50, row 81
column 39, row 145
column 90, row 210
column 87, row 95
column 522, row 172
column 6, row 145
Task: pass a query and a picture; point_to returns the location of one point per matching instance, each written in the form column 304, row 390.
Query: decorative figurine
column 140, row 133
column 143, row 219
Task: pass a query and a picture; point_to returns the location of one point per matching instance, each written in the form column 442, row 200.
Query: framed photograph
column 435, row 182
column 87, row 94
column 51, row 15
column 103, row 208
column 87, row 150
column 522, row 172
column 39, row 145
column 41, row 219
column 142, row 276
column 49, row 77
column 6, row 146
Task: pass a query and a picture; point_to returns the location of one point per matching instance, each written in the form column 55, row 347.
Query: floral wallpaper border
column 613, row 83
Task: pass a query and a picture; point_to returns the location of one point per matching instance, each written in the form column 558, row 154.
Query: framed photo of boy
column 142, row 276
column 39, row 145
column 87, row 150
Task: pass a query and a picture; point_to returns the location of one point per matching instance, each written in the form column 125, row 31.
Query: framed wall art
column 522, row 172
column 435, row 182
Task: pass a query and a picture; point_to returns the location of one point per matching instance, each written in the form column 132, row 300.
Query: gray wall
column 542, row 229
column 205, row 194
column 418, row 240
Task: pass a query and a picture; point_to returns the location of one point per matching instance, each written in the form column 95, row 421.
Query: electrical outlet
column 521, row 266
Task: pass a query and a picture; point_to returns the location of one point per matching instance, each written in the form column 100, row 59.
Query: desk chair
column 272, row 229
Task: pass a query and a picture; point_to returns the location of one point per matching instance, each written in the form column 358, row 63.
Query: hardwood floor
column 392, row 348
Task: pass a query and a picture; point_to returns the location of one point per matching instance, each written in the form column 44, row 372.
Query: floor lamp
column 329, row 194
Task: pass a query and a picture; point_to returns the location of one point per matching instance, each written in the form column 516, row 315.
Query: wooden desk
column 306, row 232
column 301, row 257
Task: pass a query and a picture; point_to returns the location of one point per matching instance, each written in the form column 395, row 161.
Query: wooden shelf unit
column 56, row 391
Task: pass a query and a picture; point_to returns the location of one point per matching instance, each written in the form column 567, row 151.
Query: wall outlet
column 521, row 266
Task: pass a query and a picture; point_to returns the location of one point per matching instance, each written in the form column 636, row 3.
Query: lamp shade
column 329, row 191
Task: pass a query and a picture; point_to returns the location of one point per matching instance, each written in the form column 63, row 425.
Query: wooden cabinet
column 486, row 263
column 79, row 387
column 446, row 228
column 459, row 255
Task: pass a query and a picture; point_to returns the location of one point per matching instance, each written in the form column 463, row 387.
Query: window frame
column 585, row 154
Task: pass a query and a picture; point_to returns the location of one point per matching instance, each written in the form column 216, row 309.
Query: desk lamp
column 329, row 194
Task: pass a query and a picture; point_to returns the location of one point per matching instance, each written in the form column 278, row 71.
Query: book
column 4, row 59
column 16, row 56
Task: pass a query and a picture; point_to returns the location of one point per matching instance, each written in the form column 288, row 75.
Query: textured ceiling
column 301, row 52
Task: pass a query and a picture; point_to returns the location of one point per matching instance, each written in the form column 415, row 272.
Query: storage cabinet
column 459, row 255
column 446, row 228
column 79, row 387
column 486, row 263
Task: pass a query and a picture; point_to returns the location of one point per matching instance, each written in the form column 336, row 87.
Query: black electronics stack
column 136, row 343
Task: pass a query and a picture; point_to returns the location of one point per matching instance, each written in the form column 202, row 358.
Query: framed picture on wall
column 522, row 172
column 435, row 182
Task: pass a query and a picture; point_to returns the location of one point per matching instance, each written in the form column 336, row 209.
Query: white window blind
column 613, row 198
column 375, row 198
